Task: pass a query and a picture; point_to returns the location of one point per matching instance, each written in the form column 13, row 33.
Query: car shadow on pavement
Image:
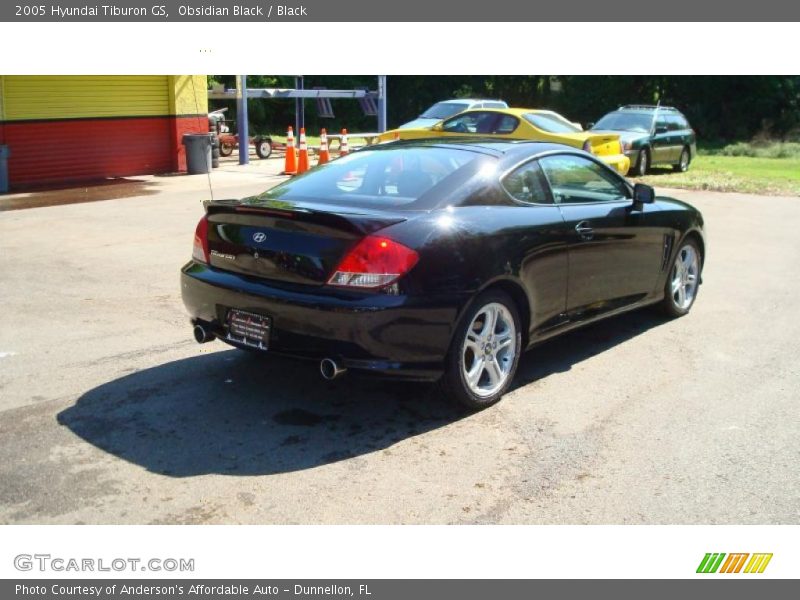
column 559, row 354
column 236, row 413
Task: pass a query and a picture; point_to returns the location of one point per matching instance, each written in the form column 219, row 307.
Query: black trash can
column 198, row 152
column 4, row 154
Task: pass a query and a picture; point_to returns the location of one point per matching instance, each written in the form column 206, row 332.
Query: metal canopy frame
column 273, row 93
column 299, row 94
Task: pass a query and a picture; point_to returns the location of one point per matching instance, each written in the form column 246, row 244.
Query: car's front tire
column 484, row 353
column 683, row 281
column 642, row 163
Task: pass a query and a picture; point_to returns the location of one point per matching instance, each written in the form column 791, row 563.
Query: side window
column 577, row 180
column 661, row 123
column 471, row 122
column 506, row 124
column 674, row 123
column 526, row 184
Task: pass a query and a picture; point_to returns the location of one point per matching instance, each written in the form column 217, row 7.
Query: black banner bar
column 712, row 586
column 405, row 11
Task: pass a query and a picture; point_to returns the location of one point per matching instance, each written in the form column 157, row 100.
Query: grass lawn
column 753, row 175
column 311, row 140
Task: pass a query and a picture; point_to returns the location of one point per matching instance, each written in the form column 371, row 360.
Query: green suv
column 651, row 136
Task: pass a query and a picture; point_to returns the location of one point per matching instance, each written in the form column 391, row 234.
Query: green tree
column 724, row 108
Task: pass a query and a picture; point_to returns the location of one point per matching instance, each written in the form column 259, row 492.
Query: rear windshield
column 620, row 121
column 376, row 178
column 550, row 123
column 442, row 110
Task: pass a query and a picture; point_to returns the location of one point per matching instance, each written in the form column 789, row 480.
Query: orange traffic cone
column 324, row 155
column 290, row 167
column 302, row 161
column 344, row 148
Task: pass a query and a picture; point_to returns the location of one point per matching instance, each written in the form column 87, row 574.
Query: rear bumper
column 386, row 335
column 620, row 162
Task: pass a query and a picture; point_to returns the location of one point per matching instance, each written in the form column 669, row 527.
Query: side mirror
column 661, row 129
column 643, row 194
column 589, row 125
column 438, row 127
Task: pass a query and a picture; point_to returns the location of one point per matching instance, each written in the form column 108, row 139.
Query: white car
column 448, row 108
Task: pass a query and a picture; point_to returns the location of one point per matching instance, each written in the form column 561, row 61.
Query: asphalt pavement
column 111, row 413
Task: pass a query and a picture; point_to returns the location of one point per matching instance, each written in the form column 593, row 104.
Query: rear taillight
column 587, row 146
column 374, row 262
column 200, row 248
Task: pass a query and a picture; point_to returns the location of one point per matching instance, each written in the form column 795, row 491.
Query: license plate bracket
column 249, row 329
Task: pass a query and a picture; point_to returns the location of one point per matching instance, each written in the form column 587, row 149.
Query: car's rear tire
column 683, row 280
column 683, row 163
column 484, row 353
column 642, row 163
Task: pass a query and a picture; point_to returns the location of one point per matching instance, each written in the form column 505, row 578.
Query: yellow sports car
column 521, row 124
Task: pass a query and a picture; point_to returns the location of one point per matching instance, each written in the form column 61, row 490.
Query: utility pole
column 299, row 106
column 381, row 103
column 241, row 120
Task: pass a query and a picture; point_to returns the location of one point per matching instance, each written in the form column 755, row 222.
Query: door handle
column 584, row 230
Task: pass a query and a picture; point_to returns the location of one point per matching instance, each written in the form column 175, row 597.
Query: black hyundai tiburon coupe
column 438, row 261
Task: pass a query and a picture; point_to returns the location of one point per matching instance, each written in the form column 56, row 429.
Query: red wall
column 84, row 149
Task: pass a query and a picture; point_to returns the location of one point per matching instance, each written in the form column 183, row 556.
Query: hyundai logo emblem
column 259, row 237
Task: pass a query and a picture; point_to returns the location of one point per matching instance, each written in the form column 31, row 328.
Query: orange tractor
column 218, row 124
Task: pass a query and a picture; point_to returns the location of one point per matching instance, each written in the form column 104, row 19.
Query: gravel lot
column 110, row 413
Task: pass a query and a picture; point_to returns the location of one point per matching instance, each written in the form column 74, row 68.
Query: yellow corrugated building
column 64, row 128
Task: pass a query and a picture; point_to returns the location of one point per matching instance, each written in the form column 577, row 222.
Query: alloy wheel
column 489, row 349
column 685, row 277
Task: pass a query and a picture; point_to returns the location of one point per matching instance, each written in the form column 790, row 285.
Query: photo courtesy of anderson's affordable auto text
column 358, row 308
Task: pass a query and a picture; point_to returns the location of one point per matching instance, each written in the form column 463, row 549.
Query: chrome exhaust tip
column 330, row 369
column 202, row 335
